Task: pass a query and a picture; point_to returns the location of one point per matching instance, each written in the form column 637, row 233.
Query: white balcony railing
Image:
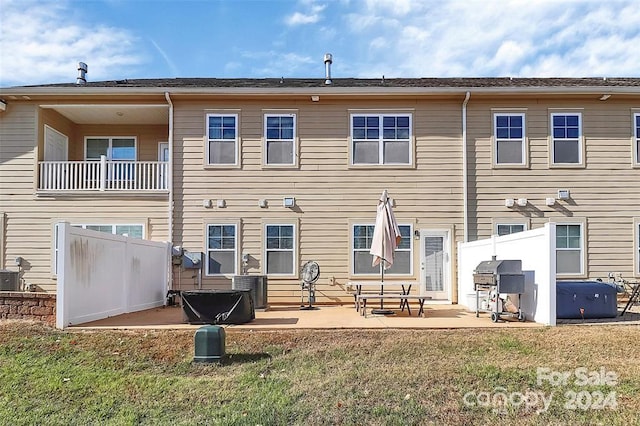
column 103, row 175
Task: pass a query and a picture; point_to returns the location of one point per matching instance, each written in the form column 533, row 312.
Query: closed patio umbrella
column 386, row 237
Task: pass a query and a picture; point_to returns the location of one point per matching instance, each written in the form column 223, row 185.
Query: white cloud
column 379, row 43
column 275, row 64
column 496, row 38
column 360, row 23
column 396, row 7
column 312, row 16
column 300, row 19
column 509, row 56
column 41, row 43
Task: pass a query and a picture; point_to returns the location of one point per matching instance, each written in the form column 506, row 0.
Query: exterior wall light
column 288, row 202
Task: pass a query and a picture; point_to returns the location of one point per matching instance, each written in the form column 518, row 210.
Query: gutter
column 170, row 180
column 465, row 172
column 15, row 93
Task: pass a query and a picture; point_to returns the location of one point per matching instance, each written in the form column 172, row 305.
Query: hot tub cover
column 585, row 299
column 217, row 306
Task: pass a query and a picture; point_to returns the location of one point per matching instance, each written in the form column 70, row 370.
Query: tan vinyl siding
column 30, row 228
column 332, row 195
column 29, row 219
column 17, row 142
column 329, row 193
column 605, row 191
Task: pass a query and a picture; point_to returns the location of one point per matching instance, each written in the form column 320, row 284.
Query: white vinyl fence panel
column 101, row 275
column 536, row 250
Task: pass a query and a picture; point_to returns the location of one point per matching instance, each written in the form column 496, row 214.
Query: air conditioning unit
column 9, row 280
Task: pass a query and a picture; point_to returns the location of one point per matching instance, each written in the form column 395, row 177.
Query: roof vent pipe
column 328, row 60
column 82, row 73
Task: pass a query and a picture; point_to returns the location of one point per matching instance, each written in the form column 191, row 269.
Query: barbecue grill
column 501, row 276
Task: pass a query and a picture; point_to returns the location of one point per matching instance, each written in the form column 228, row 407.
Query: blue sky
column 41, row 41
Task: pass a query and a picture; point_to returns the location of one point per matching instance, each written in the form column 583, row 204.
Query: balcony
column 103, row 176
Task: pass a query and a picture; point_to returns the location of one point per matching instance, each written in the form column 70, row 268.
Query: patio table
column 362, row 301
column 401, row 288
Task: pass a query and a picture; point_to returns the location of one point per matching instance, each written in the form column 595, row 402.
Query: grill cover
column 217, row 306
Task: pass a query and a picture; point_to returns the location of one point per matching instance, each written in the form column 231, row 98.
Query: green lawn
column 586, row 375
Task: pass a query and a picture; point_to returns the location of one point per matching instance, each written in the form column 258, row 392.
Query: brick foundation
column 28, row 306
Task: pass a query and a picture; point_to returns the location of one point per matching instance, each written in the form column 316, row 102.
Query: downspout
column 170, row 183
column 465, row 172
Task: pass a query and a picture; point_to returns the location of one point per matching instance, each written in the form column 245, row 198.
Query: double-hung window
column 569, row 249
column 280, row 249
column 362, row 238
column 382, row 139
column 509, row 134
column 222, row 137
column 221, row 249
column 636, row 138
column 566, row 138
column 279, row 137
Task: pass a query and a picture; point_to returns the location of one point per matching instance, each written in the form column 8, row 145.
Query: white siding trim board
column 635, row 138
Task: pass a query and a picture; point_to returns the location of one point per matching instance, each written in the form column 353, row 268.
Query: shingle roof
column 272, row 83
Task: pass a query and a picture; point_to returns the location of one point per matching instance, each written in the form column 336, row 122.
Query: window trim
column 294, row 250
column 294, row 140
column 352, row 250
column 113, row 226
column 381, row 115
column 635, row 145
column 499, row 222
column 636, row 246
column 581, row 140
column 236, row 248
column 135, row 147
column 583, row 248
column 3, row 221
column 523, row 140
column 208, row 140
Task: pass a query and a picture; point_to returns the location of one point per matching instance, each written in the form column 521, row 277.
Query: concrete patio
column 338, row 317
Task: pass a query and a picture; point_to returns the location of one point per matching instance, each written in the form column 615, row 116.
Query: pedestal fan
column 310, row 274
